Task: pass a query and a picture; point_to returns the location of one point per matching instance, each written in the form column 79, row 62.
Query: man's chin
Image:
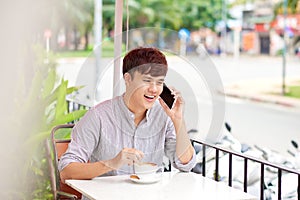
column 148, row 105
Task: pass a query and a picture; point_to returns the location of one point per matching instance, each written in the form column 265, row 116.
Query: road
column 263, row 124
column 255, row 67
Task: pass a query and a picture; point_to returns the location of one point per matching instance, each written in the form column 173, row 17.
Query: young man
column 135, row 127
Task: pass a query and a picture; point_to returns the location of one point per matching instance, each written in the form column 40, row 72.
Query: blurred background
column 253, row 44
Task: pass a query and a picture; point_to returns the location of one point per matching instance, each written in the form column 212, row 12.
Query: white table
column 172, row 186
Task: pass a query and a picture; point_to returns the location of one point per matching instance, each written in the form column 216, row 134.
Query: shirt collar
column 125, row 109
column 130, row 114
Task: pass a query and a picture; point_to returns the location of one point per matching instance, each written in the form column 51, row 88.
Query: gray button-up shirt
column 109, row 127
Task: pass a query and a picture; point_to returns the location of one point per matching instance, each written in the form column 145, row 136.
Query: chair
column 59, row 146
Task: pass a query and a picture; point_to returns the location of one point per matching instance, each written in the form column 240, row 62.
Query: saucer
column 145, row 179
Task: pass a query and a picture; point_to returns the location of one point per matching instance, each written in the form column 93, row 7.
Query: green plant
column 38, row 110
column 107, row 47
column 293, row 91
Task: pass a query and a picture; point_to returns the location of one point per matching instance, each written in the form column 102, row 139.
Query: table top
column 172, row 186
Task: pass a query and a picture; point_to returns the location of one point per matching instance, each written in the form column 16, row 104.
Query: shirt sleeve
column 170, row 150
column 84, row 138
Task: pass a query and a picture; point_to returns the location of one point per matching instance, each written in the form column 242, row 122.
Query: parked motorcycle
column 289, row 181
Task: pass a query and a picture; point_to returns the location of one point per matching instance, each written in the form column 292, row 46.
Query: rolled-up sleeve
column 84, row 138
column 170, row 150
column 185, row 167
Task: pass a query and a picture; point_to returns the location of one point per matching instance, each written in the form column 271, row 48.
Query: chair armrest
column 65, row 194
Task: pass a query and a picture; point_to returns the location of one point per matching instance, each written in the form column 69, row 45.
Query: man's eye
column 147, row 81
column 160, row 83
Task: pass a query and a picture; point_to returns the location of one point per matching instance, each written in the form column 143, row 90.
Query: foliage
column 241, row 2
column 39, row 109
column 293, row 7
column 144, row 13
column 203, row 14
column 73, row 54
column 293, row 91
column 175, row 14
column 107, row 51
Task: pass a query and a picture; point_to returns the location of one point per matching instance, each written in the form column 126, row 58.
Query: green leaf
column 74, row 88
column 35, row 139
column 35, row 90
column 49, row 83
column 61, row 105
column 68, row 117
column 63, row 133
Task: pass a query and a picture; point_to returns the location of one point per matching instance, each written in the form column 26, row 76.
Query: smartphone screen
column 167, row 96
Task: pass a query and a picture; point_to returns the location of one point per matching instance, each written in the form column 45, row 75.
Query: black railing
column 262, row 163
column 72, row 106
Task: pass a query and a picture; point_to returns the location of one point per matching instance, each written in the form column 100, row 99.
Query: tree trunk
column 67, row 38
column 75, row 39
column 53, row 40
column 86, row 36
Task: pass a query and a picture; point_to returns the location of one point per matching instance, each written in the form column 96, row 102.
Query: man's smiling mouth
column 149, row 96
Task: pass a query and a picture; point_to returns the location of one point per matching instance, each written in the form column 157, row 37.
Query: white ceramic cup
column 146, row 168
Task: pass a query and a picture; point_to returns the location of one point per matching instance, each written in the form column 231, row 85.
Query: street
column 255, row 67
column 262, row 124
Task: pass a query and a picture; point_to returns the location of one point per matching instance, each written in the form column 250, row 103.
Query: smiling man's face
column 143, row 89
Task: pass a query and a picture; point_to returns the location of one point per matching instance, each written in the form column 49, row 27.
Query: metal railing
column 262, row 163
column 72, row 106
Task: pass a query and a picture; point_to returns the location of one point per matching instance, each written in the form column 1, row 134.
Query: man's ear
column 127, row 78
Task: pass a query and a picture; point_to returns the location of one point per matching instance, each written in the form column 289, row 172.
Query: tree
column 158, row 13
column 85, row 18
column 293, row 7
column 203, row 13
column 174, row 14
column 73, row 16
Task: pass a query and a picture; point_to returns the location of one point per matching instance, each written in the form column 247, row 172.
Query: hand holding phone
column 167, row 96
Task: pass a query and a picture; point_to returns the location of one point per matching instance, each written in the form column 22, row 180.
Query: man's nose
column 153, row 87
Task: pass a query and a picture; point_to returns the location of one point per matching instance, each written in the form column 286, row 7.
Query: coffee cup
column 146, row 168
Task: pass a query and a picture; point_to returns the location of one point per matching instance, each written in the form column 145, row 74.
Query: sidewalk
column 263, row 90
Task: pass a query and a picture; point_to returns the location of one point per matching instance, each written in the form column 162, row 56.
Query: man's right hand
column 127, row 156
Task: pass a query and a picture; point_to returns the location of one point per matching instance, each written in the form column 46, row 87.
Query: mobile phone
column 167, row 96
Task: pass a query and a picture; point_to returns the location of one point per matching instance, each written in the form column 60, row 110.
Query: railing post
column 68, row 106
column 262, row 181
column 298, row 187
column 245, row 174
column 203, row 159
column 279, row 183
column 193, row 144
column 230, row 170
column 217, row 165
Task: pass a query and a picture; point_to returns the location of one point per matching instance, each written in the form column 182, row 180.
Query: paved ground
column 258, row 78
column 265, row 90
